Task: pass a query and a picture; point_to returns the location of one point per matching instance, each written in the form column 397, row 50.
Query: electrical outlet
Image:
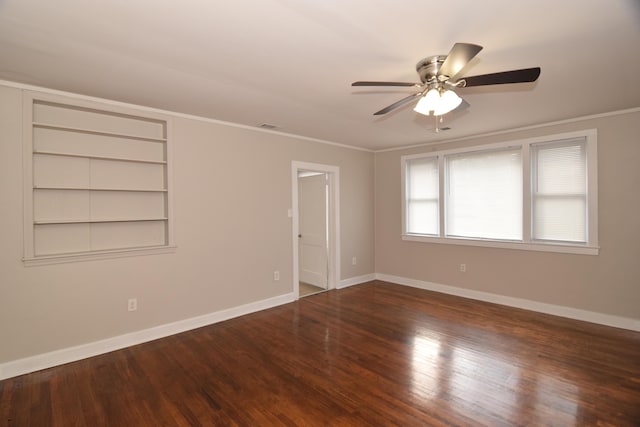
column 132, row 304
column 354, row 261
column 276, row 276
column 463, row 268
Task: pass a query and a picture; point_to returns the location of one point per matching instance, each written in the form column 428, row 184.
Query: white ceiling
column 291, row 62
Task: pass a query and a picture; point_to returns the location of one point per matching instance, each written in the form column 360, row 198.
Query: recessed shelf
column 91, row 156
column 97, row 132
column 93, row 221
column 138, row 190
column 98, row 180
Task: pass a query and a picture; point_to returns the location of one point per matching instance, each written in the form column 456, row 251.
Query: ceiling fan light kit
column 438, row 101
column 439, row 73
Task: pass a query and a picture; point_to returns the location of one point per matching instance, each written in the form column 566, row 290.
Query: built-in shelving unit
column 99, row 180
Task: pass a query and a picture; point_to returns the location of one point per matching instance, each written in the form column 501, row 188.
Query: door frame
column 333, row 174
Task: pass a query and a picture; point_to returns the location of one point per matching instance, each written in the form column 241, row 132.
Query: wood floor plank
column 373, row 354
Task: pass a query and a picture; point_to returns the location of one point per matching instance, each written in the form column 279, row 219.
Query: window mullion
column 442, row 197
column 592, row 188
column 526, row 193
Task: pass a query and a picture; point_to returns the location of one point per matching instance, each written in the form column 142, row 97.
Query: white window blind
column 536, row 194
column 559, row 191
column 484, row 194
column 422, row 194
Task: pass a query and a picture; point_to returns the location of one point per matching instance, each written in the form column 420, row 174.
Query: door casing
column 313, row 228
column 333, row 174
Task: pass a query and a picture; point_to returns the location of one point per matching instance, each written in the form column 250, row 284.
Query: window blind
column 484, row 194
column 559, row 193
column 422, row 190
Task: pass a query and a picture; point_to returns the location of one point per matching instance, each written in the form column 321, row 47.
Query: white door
column 312, row 229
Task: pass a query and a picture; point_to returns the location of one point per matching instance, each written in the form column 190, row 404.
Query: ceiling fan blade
column 515, row 76
column 463, row 105
column 458, row 56
column 398, row 104
column 385, row 84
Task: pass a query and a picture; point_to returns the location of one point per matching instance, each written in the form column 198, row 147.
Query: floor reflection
column 482, row 377
column 493, row 382
column 425, row 365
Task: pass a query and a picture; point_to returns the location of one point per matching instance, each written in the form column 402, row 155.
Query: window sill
column 528, row 246
column 97, row 255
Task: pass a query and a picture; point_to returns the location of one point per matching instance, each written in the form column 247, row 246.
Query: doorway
column 315, row 228
column 313, row 231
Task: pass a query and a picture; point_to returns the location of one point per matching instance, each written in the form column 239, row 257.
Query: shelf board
column 93, row 221
column 97, row 132
column 91, row 156
column 132, row 190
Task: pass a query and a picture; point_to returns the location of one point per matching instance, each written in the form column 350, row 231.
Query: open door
column 315, row 224
column 313, row 229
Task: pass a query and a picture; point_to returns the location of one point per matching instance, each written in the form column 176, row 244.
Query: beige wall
column 608, row 283
column 232, row 189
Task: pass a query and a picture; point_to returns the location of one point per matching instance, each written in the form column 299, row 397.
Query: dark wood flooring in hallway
column 373, row 354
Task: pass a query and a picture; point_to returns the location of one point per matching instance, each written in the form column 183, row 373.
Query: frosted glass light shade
column 438, row 103
column 449, row 101
column 428, row 103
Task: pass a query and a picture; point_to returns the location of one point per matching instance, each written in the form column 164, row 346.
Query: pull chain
column 438, row 121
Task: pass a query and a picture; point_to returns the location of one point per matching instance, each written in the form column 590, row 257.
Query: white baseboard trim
column 541, row 307
column 351, row 281
column 83, row 351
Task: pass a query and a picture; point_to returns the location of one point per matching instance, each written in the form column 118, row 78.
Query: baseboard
column 72, row 354
column 351, row 281
column 556, row 310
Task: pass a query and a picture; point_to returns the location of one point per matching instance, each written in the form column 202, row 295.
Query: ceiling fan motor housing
column 428, row 68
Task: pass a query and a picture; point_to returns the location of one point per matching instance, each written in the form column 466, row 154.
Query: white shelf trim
column 92, row 156
column 91, row 221
column 142, row 190
column 97, row 132
column 98, row 254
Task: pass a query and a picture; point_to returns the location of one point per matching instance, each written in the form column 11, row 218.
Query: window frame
column 405, row 212
column 29, row 256
column 527, row 243
column 535, row 194
column 447, row 185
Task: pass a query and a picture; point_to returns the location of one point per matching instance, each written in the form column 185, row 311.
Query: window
column 538, row 194
column 96, row 181
column 422, row 195
column 559, row 191
column 484, row 194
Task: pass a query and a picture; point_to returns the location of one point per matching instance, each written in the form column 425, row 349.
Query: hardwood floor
column 373, row 354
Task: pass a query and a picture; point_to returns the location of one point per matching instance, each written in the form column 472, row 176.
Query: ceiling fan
column 439, row 76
